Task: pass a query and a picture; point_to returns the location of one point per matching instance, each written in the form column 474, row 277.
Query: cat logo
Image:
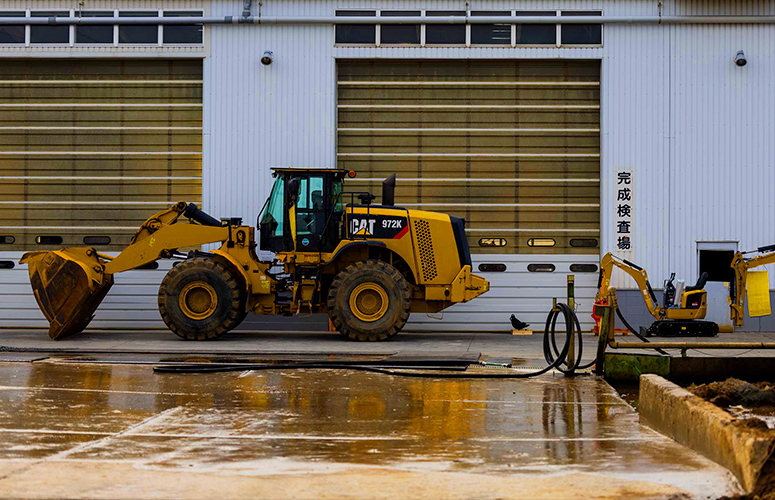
column 362, row 227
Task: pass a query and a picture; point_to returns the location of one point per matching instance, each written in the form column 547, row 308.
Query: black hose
column 630, row 328
column 550, row 346
column 328, row 366
column 554, row 357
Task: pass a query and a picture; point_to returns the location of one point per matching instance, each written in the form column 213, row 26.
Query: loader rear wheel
column 201, row 299
column 369, row 301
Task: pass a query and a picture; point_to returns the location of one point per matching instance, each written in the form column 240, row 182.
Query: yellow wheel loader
column 672, row 320
column 368, row 266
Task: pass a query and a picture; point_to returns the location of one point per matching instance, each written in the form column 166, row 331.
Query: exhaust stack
column 389, row 191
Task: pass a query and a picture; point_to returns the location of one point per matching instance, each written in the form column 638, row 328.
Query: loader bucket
column 69, row 285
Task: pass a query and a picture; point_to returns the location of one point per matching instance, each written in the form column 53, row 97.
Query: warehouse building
column 560, row 130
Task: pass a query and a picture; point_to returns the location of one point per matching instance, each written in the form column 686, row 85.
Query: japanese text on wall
column 623, row 207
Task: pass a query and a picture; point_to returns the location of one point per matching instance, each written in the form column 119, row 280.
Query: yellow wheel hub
column 198, row 300
column 369, row 302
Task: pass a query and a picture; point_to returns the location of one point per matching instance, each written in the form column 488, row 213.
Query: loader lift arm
column 70, row 283
column 741, row 265
column 161, row 234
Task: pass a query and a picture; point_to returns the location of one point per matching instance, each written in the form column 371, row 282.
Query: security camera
column 268, row 57
column 740, row 59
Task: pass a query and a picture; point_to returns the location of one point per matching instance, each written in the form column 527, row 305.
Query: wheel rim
column 369, row 302
column 198, row 300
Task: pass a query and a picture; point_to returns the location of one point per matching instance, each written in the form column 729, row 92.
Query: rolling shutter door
column 93, row 147
column 89, row 149
column 511, row 146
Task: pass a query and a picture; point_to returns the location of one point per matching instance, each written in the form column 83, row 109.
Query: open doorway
column 715, row 258
column 717, row 264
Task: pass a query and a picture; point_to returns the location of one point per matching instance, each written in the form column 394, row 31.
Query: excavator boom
column 636, row 272
column 741, row 265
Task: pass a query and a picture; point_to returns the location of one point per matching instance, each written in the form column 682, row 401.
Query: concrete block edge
column 705, row 428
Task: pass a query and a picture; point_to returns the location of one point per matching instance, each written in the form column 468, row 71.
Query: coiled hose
column 556, row 358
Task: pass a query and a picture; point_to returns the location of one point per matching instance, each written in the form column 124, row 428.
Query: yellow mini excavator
column 682, row 319
column 741, row 265
column 368, row 266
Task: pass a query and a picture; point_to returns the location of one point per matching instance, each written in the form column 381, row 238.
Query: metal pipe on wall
column 390, row 20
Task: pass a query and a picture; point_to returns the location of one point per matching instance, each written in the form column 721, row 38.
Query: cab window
column 310, row 212
column 336, row 196
column 274, row 216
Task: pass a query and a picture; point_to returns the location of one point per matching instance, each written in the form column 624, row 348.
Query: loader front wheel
column 369, row 301
column 201, row 299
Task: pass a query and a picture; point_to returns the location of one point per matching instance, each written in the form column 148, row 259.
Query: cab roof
column 309, row 170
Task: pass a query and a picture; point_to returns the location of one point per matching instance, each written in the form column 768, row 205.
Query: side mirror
column 389, row 191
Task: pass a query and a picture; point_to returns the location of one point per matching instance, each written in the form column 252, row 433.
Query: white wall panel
column 257, row 117
column 722, row 154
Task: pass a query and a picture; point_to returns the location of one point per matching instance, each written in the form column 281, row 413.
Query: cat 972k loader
column 368, row 266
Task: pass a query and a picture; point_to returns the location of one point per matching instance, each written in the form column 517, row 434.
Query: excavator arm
column 741, row 265
column 70, row 283
column 637, row 273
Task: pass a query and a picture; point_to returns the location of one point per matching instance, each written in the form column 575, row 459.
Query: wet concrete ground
column 115, row 430
column 526, row 349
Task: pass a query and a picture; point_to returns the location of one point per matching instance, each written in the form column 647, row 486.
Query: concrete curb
column 705, row 428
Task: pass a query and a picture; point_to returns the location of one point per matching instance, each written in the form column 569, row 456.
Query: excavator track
column 682, row 328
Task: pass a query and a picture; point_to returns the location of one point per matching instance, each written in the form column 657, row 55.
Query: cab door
column 310, row 213
column 272, row 228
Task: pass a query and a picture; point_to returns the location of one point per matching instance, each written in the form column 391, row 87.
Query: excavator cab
column 695, row 297
column 690, row 298
column 303, row 212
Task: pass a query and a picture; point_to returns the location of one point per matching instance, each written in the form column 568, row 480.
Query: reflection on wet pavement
column 263, row 423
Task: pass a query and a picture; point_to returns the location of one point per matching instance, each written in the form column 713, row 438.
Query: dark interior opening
column 717, row 264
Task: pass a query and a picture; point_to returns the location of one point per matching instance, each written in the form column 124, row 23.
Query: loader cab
column 303, row 212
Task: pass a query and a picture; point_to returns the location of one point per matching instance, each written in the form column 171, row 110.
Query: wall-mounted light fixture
column 267, row 58
column 740, row 59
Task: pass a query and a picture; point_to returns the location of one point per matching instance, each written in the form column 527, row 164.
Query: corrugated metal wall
column 640, row 91
column 696, row 129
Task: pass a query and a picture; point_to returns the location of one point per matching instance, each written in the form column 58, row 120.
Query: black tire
column 371, row 276
column 186, row 299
